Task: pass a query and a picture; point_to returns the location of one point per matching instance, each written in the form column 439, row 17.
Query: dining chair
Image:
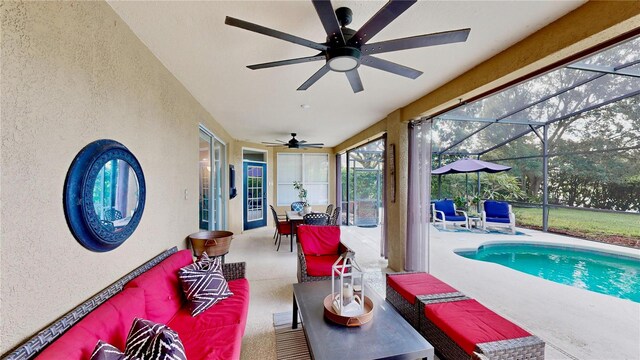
column 282, row 228
column 329, row 209
column 335, row 216
column 316, row 219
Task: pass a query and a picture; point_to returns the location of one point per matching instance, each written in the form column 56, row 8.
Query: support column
column 545, row 178
column 439, row 178
column 478, row 176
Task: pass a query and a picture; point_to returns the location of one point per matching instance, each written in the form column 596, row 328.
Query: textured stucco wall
column 72, row 73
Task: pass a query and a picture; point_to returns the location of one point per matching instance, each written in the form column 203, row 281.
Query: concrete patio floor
column 575, row 323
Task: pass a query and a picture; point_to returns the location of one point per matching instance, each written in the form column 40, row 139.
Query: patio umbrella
column 466, row 166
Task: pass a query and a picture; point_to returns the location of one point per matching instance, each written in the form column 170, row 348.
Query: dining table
column 294, row 218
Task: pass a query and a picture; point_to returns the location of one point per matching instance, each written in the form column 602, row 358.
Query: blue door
column 255, row 194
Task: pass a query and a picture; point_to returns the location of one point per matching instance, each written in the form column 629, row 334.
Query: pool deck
column 574, row 323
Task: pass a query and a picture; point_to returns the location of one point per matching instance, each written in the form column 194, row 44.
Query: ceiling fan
column 346, row 49
column 294, row 143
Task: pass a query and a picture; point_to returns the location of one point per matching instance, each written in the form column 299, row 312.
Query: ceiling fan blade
column 276, row 145
column 315, row 77
column 440, row 38
column 316, row 144
column 382, row 18
column 354, row 80
column 273, row 33
column 329, row 20
column 318, row 57
column 391, row 67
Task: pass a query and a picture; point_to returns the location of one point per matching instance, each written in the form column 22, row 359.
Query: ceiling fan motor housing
column 343, row 59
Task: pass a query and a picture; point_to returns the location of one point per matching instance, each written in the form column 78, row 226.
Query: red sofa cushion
column 162, row 288
column 319, row 240
column 467, row 322
column 320, row 265
column 219, row 343
column 109, row 322
column 411, row 285
column 230, row 311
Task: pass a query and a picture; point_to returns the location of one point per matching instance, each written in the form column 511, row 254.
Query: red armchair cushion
column 109, row 322
column 162, row 288
column 320, row 265
column 468, row 323
column 230, row 311
column 411, row 285
column 319, row 240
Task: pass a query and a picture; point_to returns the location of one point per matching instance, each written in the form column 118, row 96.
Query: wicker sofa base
column 525, row 348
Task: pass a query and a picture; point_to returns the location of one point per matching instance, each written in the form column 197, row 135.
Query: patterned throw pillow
column 104, row 351
column 204, row 284
column 148, row 340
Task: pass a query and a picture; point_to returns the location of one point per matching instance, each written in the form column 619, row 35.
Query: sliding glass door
column 213, row 160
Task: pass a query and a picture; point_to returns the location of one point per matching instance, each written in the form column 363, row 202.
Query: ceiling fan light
column 343, row 63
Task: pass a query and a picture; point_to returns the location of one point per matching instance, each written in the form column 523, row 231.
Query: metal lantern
column 347, row 286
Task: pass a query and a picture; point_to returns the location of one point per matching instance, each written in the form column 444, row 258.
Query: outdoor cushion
column 104, row 351
column 320, row 265
column 204, row 284
column 467, row 322
column 498, row 220
column 455, row 218
column 149, row 340
column 109, row 322
column 496, row 209
column 220, row 343
column 411, row 285
column 319, row 240
column 162, row 288
column 230, row 311
column 284, row 227
column 447, row 207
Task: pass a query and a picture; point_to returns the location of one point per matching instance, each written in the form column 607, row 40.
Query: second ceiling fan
column 346, row 49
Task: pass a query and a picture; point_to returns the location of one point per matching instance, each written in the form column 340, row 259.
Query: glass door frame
column 218, row 182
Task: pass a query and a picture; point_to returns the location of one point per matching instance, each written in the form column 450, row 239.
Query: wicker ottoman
column 406, row 289
column 465, row 329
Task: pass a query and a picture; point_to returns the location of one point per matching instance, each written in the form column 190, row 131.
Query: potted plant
column 302, row 195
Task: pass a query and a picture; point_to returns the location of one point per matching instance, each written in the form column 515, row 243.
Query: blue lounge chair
column 445, row 211
column 498, row 213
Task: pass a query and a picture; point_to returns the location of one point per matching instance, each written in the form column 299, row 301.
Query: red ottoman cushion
column 162, row 288
column 320, row 265
column 109, row 322
column 467, row 322
column 411, row 285
column 230, row 311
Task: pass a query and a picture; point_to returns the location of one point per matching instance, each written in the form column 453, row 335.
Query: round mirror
column 115, row 194
column 104, row 195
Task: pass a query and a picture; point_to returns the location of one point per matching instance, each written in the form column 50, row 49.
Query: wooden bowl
column 348, row 320
column 214, row 243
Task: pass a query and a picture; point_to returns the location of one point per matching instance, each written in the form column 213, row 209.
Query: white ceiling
column 210, row 58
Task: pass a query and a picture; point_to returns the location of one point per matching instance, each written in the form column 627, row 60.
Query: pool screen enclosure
column 572, row 135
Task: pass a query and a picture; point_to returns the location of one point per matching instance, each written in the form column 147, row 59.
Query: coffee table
column 386, row 336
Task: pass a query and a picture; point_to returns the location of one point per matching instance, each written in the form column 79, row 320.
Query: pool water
column 606, row 273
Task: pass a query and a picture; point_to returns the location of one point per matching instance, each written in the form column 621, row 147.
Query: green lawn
column 588, row 224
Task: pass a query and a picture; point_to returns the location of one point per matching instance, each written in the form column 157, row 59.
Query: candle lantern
column 347, row 286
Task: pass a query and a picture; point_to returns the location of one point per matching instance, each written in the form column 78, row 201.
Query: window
column 312, row 170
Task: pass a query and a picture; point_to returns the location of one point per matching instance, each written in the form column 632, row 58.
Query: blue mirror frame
column 78, row 195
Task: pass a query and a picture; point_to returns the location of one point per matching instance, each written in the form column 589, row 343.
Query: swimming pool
column 599, row 271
